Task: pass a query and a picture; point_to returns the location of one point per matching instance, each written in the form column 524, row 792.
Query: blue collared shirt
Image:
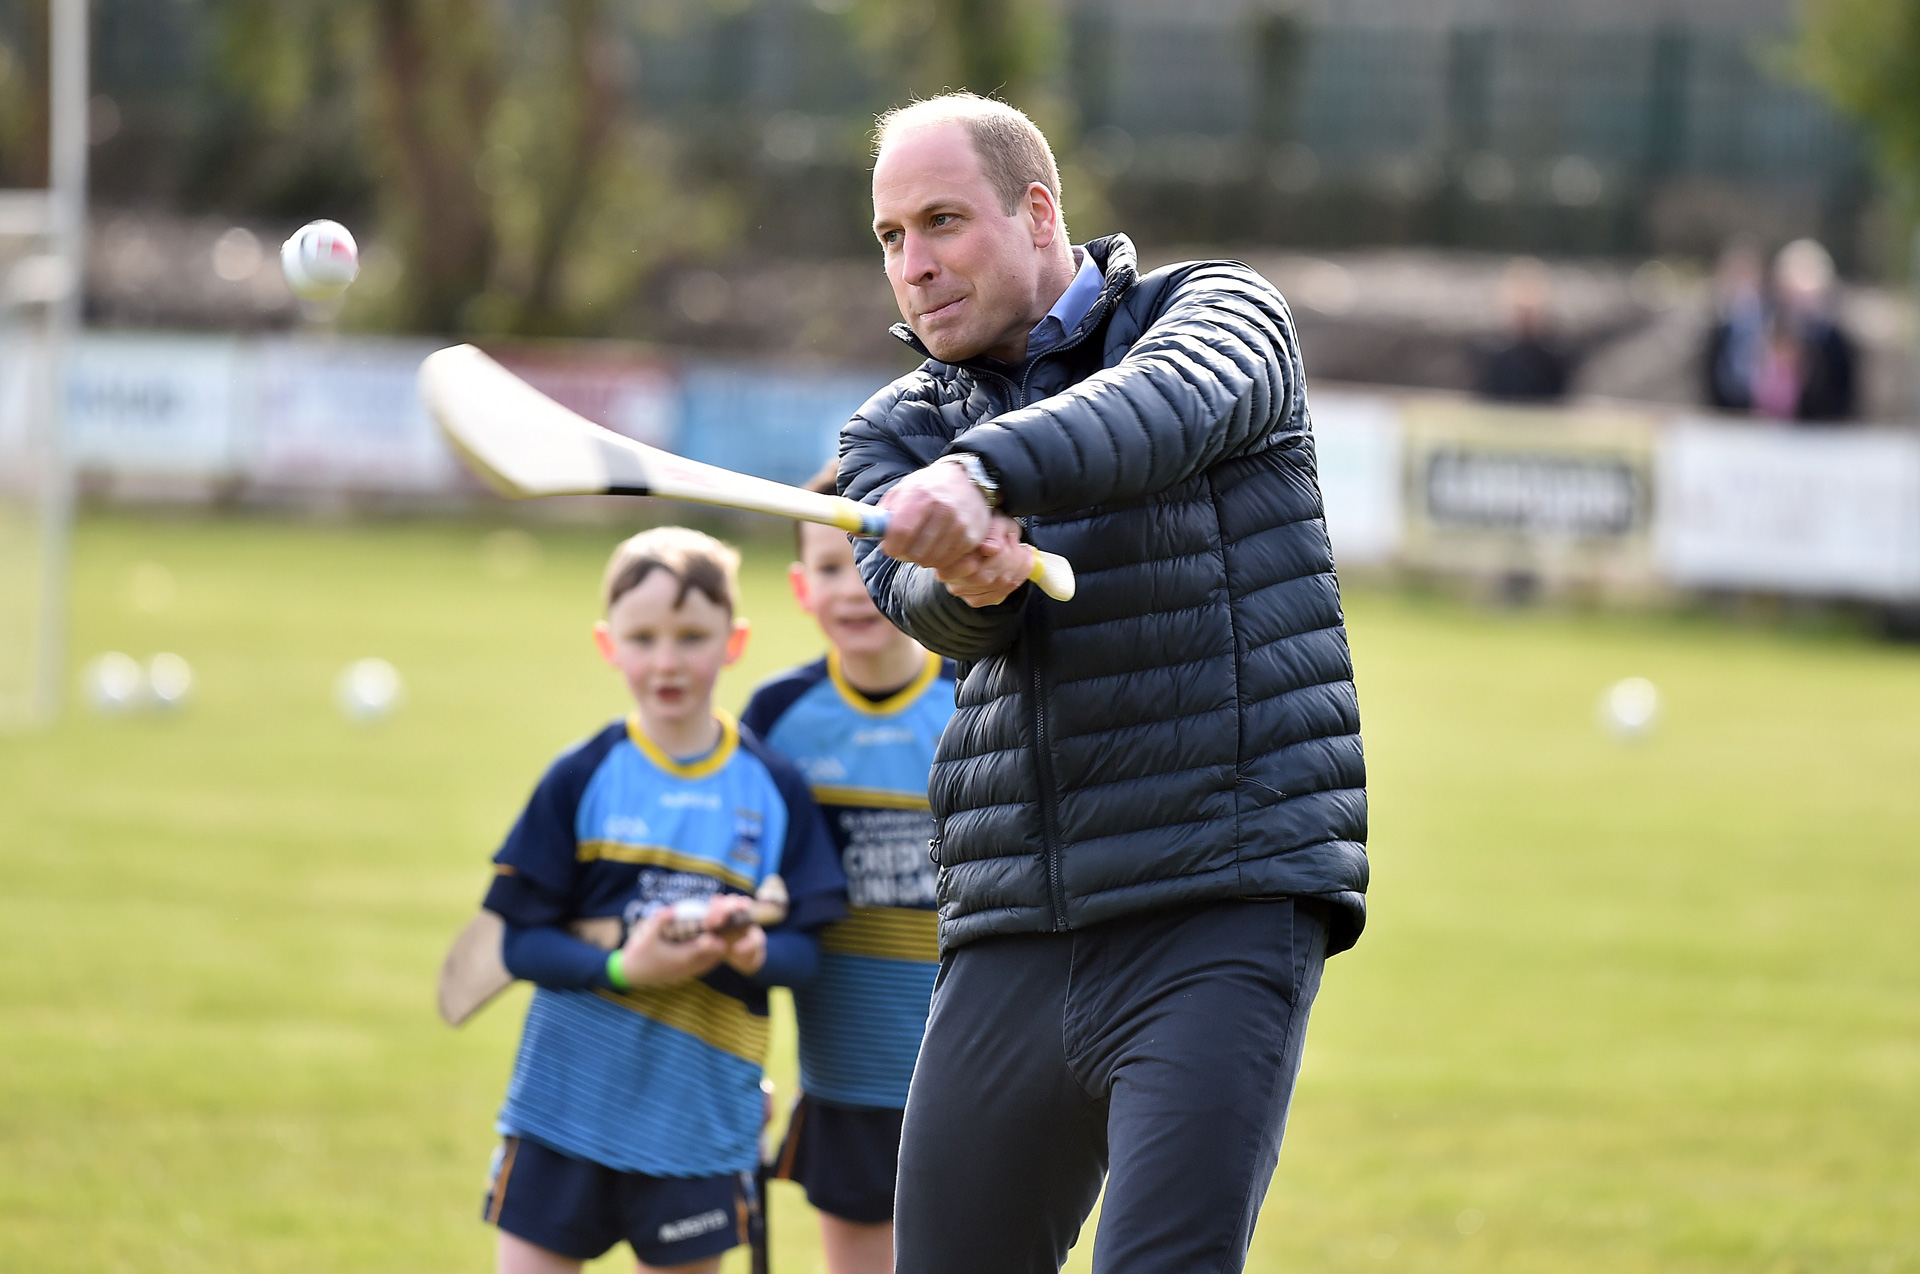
column 1072, row 306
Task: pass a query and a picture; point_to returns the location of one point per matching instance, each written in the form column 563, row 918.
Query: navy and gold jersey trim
column 893, row 703
column 696, row 1009
column 889, row 933
column 660, row 856
column 712, row 763
column 868, row 798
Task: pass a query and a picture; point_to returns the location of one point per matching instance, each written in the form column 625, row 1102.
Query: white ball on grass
column 368, row 690
column 1630, row 708
column 114, row 683
column 319, row 260
column 169, row 680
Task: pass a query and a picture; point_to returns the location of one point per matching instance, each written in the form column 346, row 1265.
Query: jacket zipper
column 1043, row 763
column 1043, row 753
column 1043, row 782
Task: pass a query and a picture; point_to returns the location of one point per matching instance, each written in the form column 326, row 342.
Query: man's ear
column 1044, row 210
column 797, row 581
column 737, row 641
column 603, row 640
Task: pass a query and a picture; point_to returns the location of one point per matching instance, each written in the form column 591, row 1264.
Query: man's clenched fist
column 939, row 517
column 942, row 522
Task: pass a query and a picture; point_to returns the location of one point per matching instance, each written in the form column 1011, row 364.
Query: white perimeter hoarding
column 608, row 385
column 165, row 406
column 1834, row 512
column 346, row 415
column 1357, row 447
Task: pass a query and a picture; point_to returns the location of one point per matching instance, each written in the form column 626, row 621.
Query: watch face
column 977, row 471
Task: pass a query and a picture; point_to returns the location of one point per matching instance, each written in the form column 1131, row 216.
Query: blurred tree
column 516, row 187
column 23, row 96
column 1865, row 55
column 997, row 48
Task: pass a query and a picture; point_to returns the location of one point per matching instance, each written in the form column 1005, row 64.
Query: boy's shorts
column 845, row 1156
column 579, row 1209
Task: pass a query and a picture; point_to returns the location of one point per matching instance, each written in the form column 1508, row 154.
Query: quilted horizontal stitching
column 1294, row 690
column 1251, row 651
column 1132, row 727
column 1298, row 793
column 1128, row 618
column 1156, row 827
column 1315, row 516
column 1321, row 573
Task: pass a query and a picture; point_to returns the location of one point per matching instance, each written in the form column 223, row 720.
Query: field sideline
column 1620, row 1008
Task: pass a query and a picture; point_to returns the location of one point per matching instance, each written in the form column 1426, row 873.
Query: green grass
column 1625, row 1008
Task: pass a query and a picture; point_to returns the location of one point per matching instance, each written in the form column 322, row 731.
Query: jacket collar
column 1119, row 265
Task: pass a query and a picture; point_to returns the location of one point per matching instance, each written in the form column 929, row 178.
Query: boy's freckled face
column 669, row 655
column 831, row 590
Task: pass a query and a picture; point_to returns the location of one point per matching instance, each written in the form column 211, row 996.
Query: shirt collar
column 1070, row 308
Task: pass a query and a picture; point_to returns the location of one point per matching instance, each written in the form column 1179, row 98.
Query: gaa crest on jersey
column 749, row 826
column 822, row 769
column 625, row 827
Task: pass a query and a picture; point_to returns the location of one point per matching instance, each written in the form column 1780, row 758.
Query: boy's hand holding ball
column 694, row 936
column 652, row 956
column 730, row 918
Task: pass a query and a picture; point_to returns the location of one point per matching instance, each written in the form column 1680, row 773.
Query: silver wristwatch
column 976, row 471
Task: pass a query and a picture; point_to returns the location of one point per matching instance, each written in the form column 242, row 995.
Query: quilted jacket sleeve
column 1216, row 373
column 878, row 447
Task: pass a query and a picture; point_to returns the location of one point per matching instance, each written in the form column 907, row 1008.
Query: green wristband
column 615, row 974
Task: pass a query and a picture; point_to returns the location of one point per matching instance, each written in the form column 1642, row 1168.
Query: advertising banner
column 1357, row 446
column 346, row 415
column 771, row 422
column 1562, row 496
column 166, row 406
column 1821, row 511
column 608, row 384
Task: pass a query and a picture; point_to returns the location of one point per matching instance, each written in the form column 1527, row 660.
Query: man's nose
column 917, row 263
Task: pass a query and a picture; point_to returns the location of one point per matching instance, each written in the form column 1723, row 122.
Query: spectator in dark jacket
column 1783, row 356
column 1150, row 800
column 1739, row 327
column 1528, row 364
column 1806, row 352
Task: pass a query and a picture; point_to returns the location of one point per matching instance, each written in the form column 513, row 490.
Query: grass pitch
column 1620, row 1008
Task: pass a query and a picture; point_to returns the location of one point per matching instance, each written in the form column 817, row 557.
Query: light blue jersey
column 657, row 1080
column 862, row 1016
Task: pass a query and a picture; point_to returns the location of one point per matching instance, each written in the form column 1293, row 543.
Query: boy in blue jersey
column 862, row 725
column 635, row 1107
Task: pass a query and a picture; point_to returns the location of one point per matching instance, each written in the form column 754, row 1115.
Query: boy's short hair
column 825, row 482
column 701, row 563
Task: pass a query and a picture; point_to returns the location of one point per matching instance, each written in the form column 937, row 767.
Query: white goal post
column 42, row 256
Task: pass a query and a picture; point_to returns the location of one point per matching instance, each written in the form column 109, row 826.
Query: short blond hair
column 1013, row 151
column 699, row 562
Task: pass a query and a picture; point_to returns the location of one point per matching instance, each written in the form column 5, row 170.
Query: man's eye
column 890, row 238
column 942, row 218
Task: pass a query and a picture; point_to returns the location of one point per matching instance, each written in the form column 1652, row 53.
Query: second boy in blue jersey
column 861, row 725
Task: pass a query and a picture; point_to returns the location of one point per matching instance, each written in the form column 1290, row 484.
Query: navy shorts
column 579, row 1209
column 846, row 1156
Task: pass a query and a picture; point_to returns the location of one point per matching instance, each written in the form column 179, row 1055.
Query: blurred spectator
column 1822, row 355
column 1783, row 357
column 1739, row 328
column 1528, row 365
